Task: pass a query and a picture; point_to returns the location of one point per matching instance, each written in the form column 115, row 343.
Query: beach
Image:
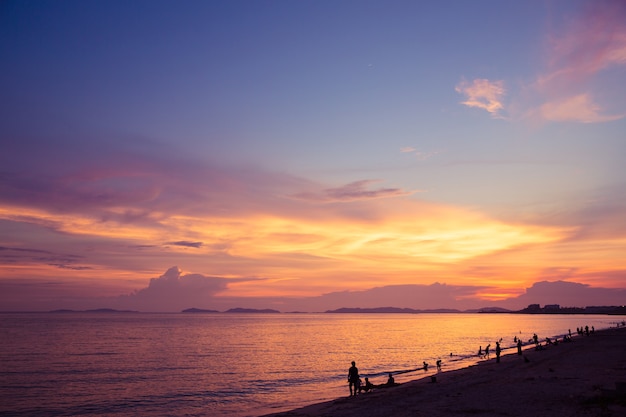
column 584, row 377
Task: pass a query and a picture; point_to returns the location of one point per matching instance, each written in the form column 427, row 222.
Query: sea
column 236, row 365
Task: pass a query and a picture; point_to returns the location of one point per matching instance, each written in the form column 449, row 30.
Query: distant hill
column 251, row 310
column 198, row 310
column 97, row 310
column 489, row 310
column 390, row 310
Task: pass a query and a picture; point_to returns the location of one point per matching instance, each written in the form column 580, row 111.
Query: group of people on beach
column 534, row 340
column 357, row 386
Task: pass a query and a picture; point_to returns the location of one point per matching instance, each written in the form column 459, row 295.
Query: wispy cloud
column 483, row 94
column 354, row 191
column 580, row 108
column 570, row 85
column 421, row 155
column 591, row 43
column 186, row 244
column 30, row 256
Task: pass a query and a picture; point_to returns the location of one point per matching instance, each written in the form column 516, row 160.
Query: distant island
column 531, row 309
column 391, row 310
column 97, row 310
column 252, row 310
column 198, row 310
column 232, row 310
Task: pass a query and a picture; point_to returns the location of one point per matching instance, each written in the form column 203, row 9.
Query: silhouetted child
column 368, row 385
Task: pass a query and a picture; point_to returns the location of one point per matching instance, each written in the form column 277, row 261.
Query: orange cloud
column 483, row 94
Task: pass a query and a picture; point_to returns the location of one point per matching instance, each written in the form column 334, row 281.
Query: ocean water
column 237, row 365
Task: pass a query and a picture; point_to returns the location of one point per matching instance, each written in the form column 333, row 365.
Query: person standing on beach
column 498, row 350
column 353, row 378
column 519, row 347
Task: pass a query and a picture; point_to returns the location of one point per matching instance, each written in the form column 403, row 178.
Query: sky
column 304, row 155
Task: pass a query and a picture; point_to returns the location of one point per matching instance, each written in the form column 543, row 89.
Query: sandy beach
column 585, row 377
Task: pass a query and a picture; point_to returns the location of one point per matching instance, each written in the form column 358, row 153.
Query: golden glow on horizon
column 300, row 256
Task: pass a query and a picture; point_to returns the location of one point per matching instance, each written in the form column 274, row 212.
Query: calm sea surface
column 119, row 364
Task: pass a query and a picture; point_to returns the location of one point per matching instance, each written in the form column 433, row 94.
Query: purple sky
column 159, row 155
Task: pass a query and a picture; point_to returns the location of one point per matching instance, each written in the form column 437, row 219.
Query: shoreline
column 585, row 377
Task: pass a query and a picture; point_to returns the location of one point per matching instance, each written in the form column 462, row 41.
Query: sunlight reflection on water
column 233, row 364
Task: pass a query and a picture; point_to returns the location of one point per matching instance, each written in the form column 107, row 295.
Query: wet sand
column 585, row 377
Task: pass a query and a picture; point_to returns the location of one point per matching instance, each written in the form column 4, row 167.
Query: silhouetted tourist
column 390, row 380
column 519, row 347
column 587, row 330
column 439, row 364
column 487, row 351
column 498, row 350
column 353, row 378
column 368, row 385
column 536, row 339
column 425, row 366
column 480, row 351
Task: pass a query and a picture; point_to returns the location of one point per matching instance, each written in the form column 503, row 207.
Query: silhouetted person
column 536, row 339
column 487, row 351
column 480, row 351
column 425, row 366
column 439, row 364
column 391, row 381
column 498, row 350
column 519, row 347
column 368, row 385
column 353, row 378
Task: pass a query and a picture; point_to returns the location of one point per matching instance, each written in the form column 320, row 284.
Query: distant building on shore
column 557, row 309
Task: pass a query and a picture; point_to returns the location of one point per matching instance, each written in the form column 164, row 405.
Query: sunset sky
column 158, row 155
